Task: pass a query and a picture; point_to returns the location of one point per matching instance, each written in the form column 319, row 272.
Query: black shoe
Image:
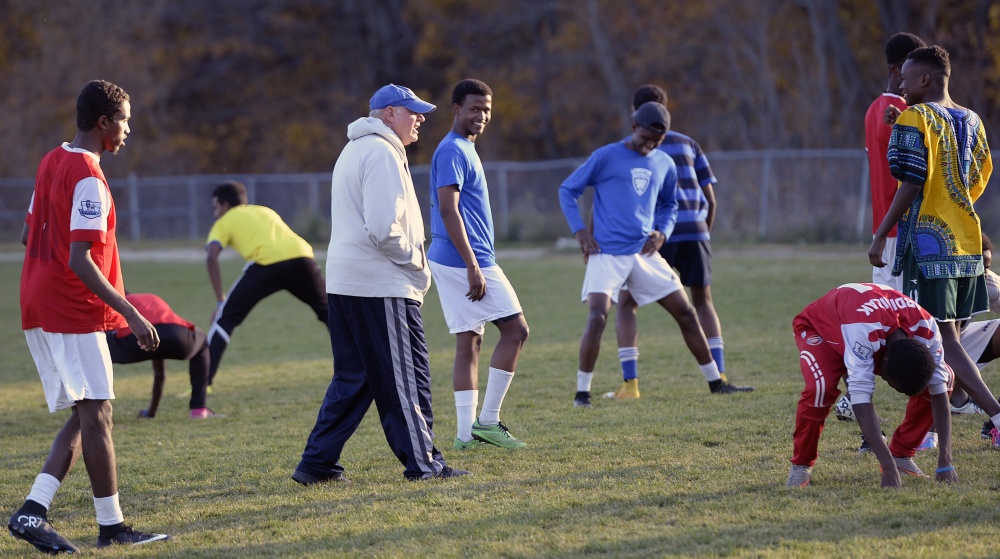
column 865, row 447
column 985, row 433
column 37, row 531
column 726, row 388
column 307, row 479
column 445, row 472
column 127, row 535
column 582, row 400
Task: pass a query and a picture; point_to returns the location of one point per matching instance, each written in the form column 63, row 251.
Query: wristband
column 219, row 304
column 945, row 469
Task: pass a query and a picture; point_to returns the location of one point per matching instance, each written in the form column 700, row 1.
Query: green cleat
column 497, row 435
column 462, row 445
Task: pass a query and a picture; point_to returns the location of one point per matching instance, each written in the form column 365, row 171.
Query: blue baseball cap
column 399, row 96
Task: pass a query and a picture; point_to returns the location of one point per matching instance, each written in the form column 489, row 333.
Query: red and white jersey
column 877, row 133
column 155, row 310
column 71, row 202
column 855, row 319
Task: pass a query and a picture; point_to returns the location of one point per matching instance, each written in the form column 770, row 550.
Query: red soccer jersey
column 877, row 133
column 71, row 202
column 855, row 319
column 155, row 310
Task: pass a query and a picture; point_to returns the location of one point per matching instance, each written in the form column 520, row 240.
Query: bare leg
column 98, row 448
column 701, row 297
column 465, row 375
column 626, row 323
column 966, row 373
column 590, row 344
column 65, row 449
column 678, row 306
column 513, row 334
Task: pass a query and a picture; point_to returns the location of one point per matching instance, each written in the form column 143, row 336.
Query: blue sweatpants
column 380, row 355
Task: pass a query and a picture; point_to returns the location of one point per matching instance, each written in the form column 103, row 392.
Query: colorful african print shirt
column 944, row 150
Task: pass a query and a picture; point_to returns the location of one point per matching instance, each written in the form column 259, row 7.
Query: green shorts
column 946, row 299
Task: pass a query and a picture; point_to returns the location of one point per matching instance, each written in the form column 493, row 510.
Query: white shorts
column 976, row 337
column 463, row 315
column 648, row 278
column 72, row 367
column 883, row 275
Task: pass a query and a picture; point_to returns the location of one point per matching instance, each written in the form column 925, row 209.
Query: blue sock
column 715, row 346
column 629, row 358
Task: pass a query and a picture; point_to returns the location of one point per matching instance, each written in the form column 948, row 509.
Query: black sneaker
column 37, row 531
column 445, row 472
column 726, row 388
column 308, row 479
column 985, row 433
column 128, row 535
column 865, row 447
column 582, row 400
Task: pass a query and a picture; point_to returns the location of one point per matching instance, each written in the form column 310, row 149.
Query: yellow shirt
column 947, row 155
column 259, row 235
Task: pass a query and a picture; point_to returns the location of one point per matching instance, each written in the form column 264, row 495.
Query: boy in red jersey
column 860, row 331
column 71, row 293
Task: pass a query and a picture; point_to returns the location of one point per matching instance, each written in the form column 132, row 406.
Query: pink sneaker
column 204, row 413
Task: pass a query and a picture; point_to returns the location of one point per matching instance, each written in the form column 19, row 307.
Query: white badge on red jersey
column 90, row 209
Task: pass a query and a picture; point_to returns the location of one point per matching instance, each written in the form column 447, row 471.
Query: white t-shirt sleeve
column 859, row 358
column 31, row 204
column 91, row 204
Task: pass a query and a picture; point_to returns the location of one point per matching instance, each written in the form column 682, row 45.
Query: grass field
column 678, row 473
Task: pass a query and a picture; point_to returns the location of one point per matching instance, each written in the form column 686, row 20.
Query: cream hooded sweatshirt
column 376, row 231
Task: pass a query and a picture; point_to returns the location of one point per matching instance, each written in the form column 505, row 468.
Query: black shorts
column 692, row 259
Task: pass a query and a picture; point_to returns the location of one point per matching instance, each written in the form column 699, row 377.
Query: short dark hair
column 934, row 57
column 909, row 364
column 98, row 98
column 900, row 45
column 647, row 93
column 231, row 192
column 468, row 87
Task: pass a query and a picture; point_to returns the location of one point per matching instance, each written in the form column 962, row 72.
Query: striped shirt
column 693, row 173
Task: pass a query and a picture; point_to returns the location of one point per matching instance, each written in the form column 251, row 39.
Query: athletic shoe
column 129, row 536
column 445, row 472
column 930, row 441
column 995, row 437
column 843, row 410
column 727, row 388
column 204, row 413
column 582, row 400
column 629, row 390
column 459, row 444
column 908, row 466
column 799, row 476
column 497, row 435
column 308, row 479
column 985, row 432
column 968, row 408
column 37, row 531
column 865, row 447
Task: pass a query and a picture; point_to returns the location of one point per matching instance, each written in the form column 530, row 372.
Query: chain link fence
column 771, row 195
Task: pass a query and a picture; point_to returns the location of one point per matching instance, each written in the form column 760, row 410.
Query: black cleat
column 308, row 479
column 865, row 447
column 445, row 472
column 727, row 388
column 582, row 400
column 37, row 531
column 127, row 535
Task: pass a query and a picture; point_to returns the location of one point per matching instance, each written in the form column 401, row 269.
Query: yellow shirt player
column 277, row 259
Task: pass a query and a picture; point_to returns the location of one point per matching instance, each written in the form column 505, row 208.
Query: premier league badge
column 90, row 209
column 640, row 179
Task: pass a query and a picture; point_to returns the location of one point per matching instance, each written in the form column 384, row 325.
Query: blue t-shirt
column 456, row 162
column 633, row 195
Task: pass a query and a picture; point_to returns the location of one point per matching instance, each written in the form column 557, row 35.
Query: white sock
column 710, row 370
column 996, row 420
column 108, row 511
column 583, row 381
column 44, row 490
column 465, row 411
column 496, row 389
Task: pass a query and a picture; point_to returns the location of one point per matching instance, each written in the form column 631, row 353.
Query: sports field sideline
column 679, row 472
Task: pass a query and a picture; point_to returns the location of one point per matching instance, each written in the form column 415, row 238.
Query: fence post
column 765, row 192
column 503, row 207
column 192, row 189
column 863, row 198
column 252, row 189
column 133, row 205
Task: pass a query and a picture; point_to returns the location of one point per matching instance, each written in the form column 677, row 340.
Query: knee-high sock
column 496, row 390
column 465, row 411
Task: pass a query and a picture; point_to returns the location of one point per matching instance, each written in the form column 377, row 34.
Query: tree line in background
column 267, row 86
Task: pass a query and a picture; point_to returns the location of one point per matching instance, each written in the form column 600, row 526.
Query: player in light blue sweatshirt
column 635, row 206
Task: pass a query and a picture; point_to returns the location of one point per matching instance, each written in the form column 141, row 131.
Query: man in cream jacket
column 376, row 279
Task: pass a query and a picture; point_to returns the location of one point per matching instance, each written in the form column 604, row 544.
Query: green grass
column 679, row 472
